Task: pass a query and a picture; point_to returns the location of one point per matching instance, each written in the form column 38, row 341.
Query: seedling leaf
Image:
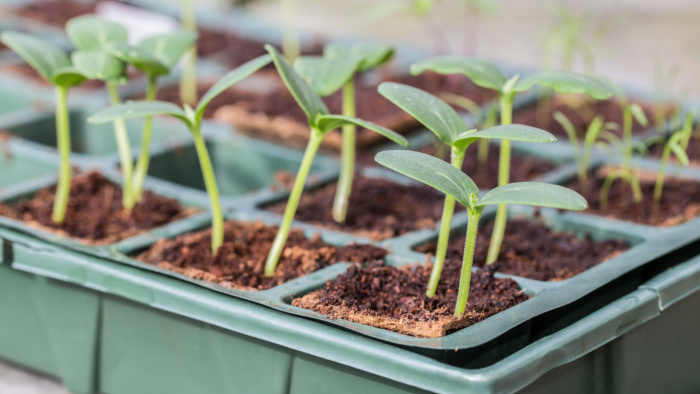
column 309, row 101
column 140, row 58
column 98, row 65
column 43, row 56
column 565, row 82
column 432, row 112
column 326, row 75
column 638, row 114
column 480, row 72
column 91, row 33
column 327, row 123
column 67, row 77
column 229, row 79
column 512, row 132
column 138, row 109
column 169, row 48
column 433, row 172
column 371, row 55
column 535, row 193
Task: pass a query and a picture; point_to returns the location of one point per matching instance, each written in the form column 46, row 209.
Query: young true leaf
column 43, row 56
column 321, row 122
column 99, row 65
column 446, row 178
column 138, row 57
column 92, row 33
column 565, row 82
column 480, row 72
column 169, row 48
column 193, row 121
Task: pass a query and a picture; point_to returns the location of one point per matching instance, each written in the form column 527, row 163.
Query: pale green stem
column 188, row 78
column 469, row 246
column 347, row 169
column 63, row 141
column 624, row 175
column 124, row 149
column 444, row 237
column 483, row 154
column 499, row 225
column 627, row 139
column 217, row 217
column 658, row 188
column 144, row 158
column 294, row 197
column 290, row 36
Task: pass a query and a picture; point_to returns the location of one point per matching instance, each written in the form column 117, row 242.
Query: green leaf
column 565, row 82
column 309, row 101
column 371, row 55
column 638, row 114
column 43, row 56
column 432, row 112
column 512, row 132
column 141, row 59
column 67, row 77
column 535, row 193
column 234, row 76
column 327, row 123
column 433, row 172
column 326, row 75
column 680, row 154
column 480, row 72
column 169, row 48
column 138, row 109
column 99, row 65
column 91, row 33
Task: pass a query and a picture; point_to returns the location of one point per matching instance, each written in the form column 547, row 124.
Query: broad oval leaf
column 99, row 65
column 537, row 194
column 481, row 72
column 91, row 33
column 138, row 109
column 327, row 123
column 432, row 112
column 565, row 82
column 67, row 77
column 234, row 76
column 169, row 48
column 371, row 55
column 43, row 56
column 433, row 172
column 512, row 132
column 309, row 101
column 140, row 58
column 326, row 75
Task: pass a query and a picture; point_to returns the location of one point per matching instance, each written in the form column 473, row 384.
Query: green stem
column 627, row 139
column 60, row 203
column 188, row 78
column 658, row 188
column 217, row 217
column 469, row 246
column 483, row 153
column 290, row 37
column 124, row 149
column 144, row 158
column 444, row 237
column 291, row 208
column 347, row 169
column 499, row 225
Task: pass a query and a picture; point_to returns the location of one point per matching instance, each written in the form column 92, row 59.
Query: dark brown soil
column 580, row 111
column 95, row 213
column 378, row 209
column 240, row 261
column 679, row 201
column 25, row 71
column 532, row 250
column 394, row 298
column 55, row 12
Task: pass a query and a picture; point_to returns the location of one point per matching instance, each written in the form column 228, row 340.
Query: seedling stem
column 347, row 173
column 124, row 148
column 63, row 137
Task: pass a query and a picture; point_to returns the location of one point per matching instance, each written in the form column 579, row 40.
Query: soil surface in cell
column 378, row 209
column 680, row 200
column 55, row 12
column 240, row 261
column 580, row 110
column 394, row 298
column 532, row 250
column 95, row 212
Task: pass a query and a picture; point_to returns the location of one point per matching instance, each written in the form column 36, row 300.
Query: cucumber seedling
column 55, row 67
column 326, row 74
column 485, row 75
column 453, row 182
column 192, row 118
column 321, row 123
column 452, row 130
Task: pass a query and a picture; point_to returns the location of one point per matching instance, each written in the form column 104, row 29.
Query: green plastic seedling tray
column 19, row 163
column 189, row 338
